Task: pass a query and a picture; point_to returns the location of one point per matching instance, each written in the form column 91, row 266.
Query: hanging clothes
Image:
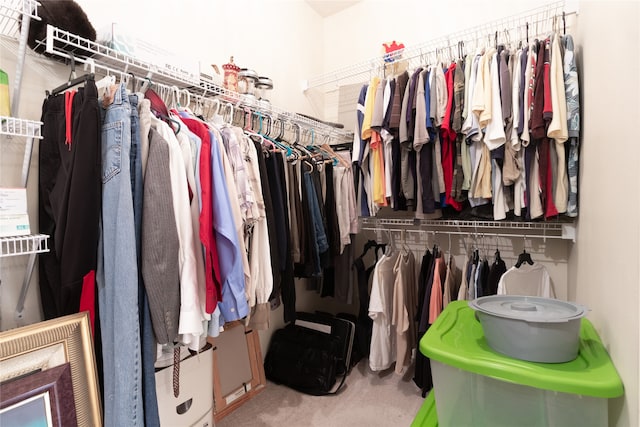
column 117, row 271
column 478, row 114
column 435, row 299
column 422, row 377
column 404, row 308
column 383, row 335
column 69, row 177
column 497, row 269
column 529, row 280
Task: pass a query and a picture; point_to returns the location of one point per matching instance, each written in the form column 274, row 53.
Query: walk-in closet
column 319, row 213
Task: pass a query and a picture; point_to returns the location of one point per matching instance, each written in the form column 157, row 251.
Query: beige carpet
column 367, row 399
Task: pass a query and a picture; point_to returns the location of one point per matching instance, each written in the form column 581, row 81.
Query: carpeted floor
column 367, row 400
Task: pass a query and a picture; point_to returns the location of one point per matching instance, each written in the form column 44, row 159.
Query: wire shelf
column 67, row 45
column 24, row 245
column 12, row 11
column 545, row 230
column 13, row 126
column 64, row 43
column 511, row 28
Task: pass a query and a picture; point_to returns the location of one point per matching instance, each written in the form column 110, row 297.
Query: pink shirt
column 435, row 303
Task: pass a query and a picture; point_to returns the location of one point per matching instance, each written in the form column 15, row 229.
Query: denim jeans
column 147, row 338
column 117, row 275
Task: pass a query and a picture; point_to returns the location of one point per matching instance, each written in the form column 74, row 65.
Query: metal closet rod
column 464, row 233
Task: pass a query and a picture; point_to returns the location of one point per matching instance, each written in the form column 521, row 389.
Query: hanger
column 217, row 118
column 106, row 81
column 497, row 254
column 278, row 142
column 159, row 108
column 228, row 108
column 370, row 244
column 146, row 84
column 263, row 140
column 524, row 256
column 171, row 121
column 73, row 80
column 337, row 159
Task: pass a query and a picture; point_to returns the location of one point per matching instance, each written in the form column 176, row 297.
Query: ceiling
column 329, row 7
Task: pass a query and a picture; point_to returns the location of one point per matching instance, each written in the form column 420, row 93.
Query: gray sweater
column 160, row 270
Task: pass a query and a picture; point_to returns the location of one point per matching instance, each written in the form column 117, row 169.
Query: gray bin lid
column 529, row 309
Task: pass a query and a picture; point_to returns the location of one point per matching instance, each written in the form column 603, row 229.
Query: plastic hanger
column 217, row 118
column 278, row 143
column 524, row 257
column 106, row 81
column 370, row 244
column 73, row 80
column 228, row 109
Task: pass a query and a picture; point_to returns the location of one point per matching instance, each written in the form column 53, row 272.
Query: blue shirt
column 234, row 304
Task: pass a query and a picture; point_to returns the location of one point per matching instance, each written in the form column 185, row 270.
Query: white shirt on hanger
column 383, row 335
column 528, row 280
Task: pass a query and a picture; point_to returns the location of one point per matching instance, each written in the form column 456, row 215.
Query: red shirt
column 448, row 141
column 211, row 260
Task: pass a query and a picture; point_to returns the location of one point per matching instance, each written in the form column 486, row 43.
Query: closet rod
column 464, row 233
column 360, row 71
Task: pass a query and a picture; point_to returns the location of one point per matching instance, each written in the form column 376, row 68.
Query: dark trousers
column 69, row 199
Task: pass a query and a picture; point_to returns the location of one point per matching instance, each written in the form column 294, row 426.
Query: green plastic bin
column 427, row 416
column 476, row 386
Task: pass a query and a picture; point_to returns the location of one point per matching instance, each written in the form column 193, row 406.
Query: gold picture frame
column 47, row 344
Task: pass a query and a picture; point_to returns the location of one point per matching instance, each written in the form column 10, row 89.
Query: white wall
column 604, row 265
column 276, row 38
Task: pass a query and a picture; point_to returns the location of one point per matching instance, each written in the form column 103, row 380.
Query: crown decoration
column 230, row 66
column 393, row 51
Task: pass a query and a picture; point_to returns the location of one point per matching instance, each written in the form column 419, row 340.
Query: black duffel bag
column 304, row 359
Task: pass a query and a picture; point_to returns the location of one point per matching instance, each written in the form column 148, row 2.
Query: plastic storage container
column 531, row 328
column 476, row 386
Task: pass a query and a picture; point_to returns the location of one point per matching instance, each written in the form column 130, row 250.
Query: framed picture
column 39, row 399
column 37, row 348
